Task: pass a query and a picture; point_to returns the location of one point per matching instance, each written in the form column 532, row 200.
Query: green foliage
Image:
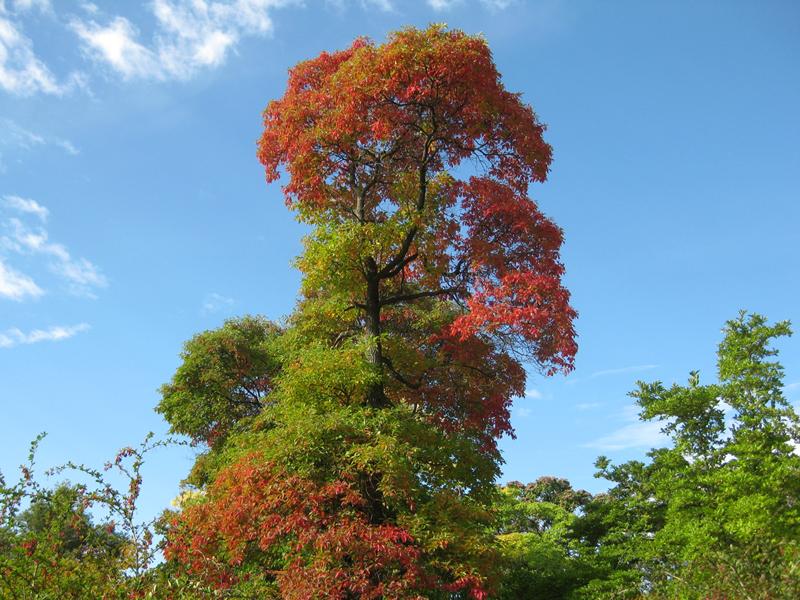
column 542, row 556
column 717, row 514
column 224, row 377
column 53, row 547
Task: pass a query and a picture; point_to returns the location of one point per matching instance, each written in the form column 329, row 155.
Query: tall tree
column 429, row 276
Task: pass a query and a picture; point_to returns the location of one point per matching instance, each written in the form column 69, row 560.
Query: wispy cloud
column 190, row 35
column 66, row 146
column 791, row 387
column 384, row 5
column 26, row 205
column 492, row 5
column 535, row 394
column 29, row 5
column 15, row 337
column 443, row 4
column 14, row 137
column 89, row 7
column 22, row 73
column 17, row 286
column 588, row 405
column 634, row 434
column 214, row 302
column 82, row 276
column 622, row 370
column 497, row 4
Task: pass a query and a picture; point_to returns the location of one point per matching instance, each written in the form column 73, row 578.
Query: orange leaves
column 363, row 117
column 329, row 547
column 517, row 292
column 376, row 130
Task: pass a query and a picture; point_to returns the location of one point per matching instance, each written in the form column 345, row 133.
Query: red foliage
column 370, row 97
column 329, row 547
column 514, row 253
column 471, row 389
column 372, row 126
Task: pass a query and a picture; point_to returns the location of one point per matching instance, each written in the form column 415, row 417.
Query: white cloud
column 15, row 285
column 115, row 44
column 791, row 387
column 443, row 4
column 82, row 276
column 621, row 370
column 14, row 337
column 497, row 4
column 535, row 394
column 43, row 6
column 635, row 434
column 12, row 134
column 26, row 205
column 189, row 35
column 384, row 5
column 646, row 434
column 66, row 146
column 214, row 302
column 523, row 412
column 588, row 405
column 21, row 72
column 89, row 7
column 492, row 5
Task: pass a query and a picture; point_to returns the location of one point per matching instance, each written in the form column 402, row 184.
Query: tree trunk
column 376, row 395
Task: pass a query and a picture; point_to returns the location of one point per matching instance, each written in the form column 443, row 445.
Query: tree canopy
column 716, row 514
column 369, row 469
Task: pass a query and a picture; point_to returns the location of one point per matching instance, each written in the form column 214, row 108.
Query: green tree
column 542, row 556
column 717, row 514
column 224, row 377
column 50, row 547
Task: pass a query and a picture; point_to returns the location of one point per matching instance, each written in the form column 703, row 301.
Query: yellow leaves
column 186, row 497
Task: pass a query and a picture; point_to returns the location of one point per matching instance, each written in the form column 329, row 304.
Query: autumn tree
column 429, row 279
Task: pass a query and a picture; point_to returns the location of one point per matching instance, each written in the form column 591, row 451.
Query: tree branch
column 398, row 298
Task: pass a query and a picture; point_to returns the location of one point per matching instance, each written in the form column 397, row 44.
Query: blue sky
column 133, row 212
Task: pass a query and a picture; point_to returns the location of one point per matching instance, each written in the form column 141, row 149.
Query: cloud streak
column 22, row 73
column 622, row 370
column 17, row 286
column 214, row 302
column 82, row 276
column 492, row 5
column 189, row 36
column 15, row 337
column 634, row 434
column 26, row 205
column 14, row 137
